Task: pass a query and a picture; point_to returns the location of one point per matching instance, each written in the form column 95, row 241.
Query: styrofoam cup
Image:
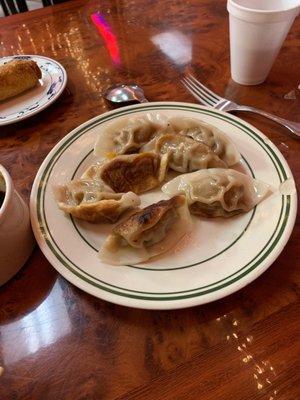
column 257, row 31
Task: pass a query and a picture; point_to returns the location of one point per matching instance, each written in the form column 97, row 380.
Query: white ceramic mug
column 16, row 239
column 257, row 31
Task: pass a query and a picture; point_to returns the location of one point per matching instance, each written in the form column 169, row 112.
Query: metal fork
column 211, row 99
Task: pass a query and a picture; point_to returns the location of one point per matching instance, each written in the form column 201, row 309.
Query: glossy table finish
column 58, row 342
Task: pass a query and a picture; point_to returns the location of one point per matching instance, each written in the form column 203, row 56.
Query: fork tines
column 201, row 92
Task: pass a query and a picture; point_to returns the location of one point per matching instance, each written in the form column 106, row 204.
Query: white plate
column 218, row 258
column 24, row 105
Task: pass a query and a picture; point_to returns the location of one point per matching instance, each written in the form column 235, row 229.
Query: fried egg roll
column 17, row 76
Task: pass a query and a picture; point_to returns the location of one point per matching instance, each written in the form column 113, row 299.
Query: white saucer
column 24, row 105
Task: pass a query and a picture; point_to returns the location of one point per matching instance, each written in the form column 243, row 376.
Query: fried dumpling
column 93, row 201
column 185, row 154
column 128, row 135
column 134, row 172
column 218, row 192
column 16, row 76
column 147, row 233
column 207, row 134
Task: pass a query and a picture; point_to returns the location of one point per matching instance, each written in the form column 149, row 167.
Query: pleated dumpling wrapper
column 184, row 153
column 218, row 192
column 207, row 134
column 128, row 135
column 93, row 201
column 147, row 233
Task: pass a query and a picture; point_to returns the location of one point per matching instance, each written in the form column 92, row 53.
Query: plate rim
column 51, row 101
column 167, row 303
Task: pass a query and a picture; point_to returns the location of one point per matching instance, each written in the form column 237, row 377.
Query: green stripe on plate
column 265, row 251
column 253, row 264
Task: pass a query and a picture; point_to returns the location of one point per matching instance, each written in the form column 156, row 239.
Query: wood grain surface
column 58, row 342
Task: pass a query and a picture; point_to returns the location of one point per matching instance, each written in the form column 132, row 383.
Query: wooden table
column 58, row 342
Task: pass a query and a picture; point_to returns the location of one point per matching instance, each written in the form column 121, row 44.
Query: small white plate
column 218, row 258
column 50, row 87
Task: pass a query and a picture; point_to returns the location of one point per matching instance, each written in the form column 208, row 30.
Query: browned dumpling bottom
column 147, row 233
column 136, row 172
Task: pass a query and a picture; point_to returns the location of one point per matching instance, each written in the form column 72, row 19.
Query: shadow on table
column 27, row 289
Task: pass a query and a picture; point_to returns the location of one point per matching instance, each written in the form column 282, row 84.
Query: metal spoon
column 125, row 94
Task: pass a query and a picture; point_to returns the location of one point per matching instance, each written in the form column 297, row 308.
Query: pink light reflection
column 109, row 38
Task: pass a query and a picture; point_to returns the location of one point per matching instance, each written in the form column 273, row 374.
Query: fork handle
column 294, row 127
